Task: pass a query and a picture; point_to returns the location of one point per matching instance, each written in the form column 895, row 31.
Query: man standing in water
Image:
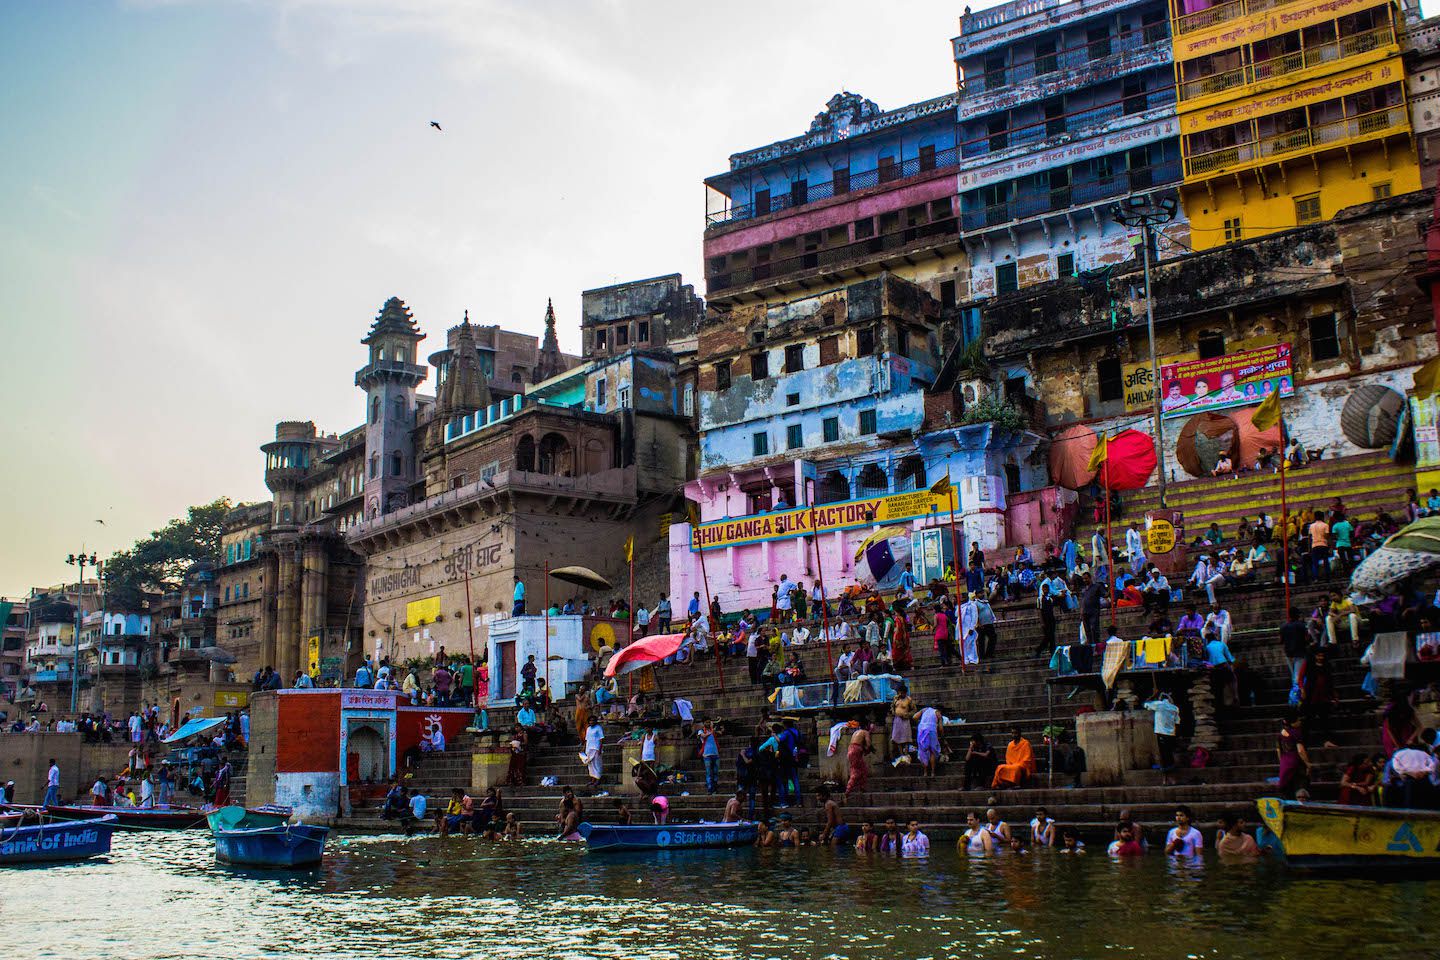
column 833, row 828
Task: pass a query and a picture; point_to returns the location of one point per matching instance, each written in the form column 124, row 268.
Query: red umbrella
column 1129, row 461
column 644, row 653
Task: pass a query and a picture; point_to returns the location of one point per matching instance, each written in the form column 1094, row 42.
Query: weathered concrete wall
column 25, row 758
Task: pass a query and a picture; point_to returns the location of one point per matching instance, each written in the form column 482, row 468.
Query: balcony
column 1263, row 70
column 1066, row 127
column 1082, row 194
column 812, row 193
column 1100, row 59
column 924, row 235
column 1365, row 126
column 1043, row 14
column 1220, row 13
column 390, row 369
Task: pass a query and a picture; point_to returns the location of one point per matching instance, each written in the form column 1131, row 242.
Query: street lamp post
column 80, row 560
column 1145, row 212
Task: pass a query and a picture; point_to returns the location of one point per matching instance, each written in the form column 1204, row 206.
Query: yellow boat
column 1336, row 835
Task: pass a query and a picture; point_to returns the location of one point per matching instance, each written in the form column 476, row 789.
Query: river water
column 162, row 896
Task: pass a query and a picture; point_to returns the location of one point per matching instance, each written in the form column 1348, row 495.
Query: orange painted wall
column 308, row 733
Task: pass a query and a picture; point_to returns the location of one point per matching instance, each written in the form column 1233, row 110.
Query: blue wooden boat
column 296, row 845
column 672, row 836
column 56, row 842
column 1328, row 835
column 241, row 818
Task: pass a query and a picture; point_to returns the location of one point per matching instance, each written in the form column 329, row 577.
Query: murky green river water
column 161, row 896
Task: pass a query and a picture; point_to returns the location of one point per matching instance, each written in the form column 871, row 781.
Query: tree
column 161, row 560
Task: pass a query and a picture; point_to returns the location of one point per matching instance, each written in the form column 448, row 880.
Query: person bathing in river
column 833, row 828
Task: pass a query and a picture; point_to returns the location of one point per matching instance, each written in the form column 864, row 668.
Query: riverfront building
column 1066, row 107
column 1290, row 111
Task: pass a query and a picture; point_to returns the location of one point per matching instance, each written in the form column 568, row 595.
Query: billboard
column 823, row 518
column 1139, row 390
column 1233, row 380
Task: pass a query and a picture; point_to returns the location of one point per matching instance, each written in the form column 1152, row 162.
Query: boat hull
column 1331, row 835
column 240, row 818
column 286, row 847
column 676, row 836
column 60, row 842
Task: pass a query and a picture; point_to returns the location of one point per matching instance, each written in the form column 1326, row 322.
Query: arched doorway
column 367, row 753
column 872, row 481
column 525, row 454
column 555, row 457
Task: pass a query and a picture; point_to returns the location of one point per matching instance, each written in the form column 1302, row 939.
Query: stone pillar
column 287, row 614
column 314, row 585
column 1202, row 705
column 270, row 574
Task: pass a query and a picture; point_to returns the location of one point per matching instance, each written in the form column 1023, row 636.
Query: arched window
column 911, row 475
column 525, row 454
column 555, row 457
column 872, row 481
column 397, row 464
column 375, row 410
column 374, row 465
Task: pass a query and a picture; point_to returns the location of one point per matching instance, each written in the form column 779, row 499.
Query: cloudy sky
column 203, row 204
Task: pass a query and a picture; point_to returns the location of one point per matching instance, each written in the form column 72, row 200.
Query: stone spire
column 549, row 363
column 466, row 387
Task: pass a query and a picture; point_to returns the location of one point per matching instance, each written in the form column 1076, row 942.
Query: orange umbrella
column 1252, row 441
column 1070, row 457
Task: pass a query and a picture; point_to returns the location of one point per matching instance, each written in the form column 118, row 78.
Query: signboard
column 232, row 700
column 1328, row 88
column 1022, row 164
column 824, row 518
column 422, row 611
column 1258, row 26
column 368, row 699
column 1139, row 388
column 313, row 665
column 330, row 669
column 1159, row 536
column 1234, row 380
column 1426, row 414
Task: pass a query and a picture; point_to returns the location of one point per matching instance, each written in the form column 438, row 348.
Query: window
column 397, row 464
column 947, row 293
column 1133, row 90
column 1007, row 279
column 1012, row 478
column 1232, row 229
column 374, row 465
column 722, row 375
column 1210, row 344
column 399, row 406
column 759, row 365
column 1045, row 60
column 1380, row 191
column 622, row 335
column 794, row 437
column 622, row 396
column 457, row 481
column 759, row 444
column 1065, row 265
column 841, row 182
column 517, row 374
column 762, row 202
column 1324, row 338
column 830, row 429
column 795, row 358
column 927, row 158
column 227, row 596
column 1112, row 379
column 829, row 350
column 864, row 343
column 600, row 339
column 792, row 399
column 867, row 422
column 799, row 193
column 600, row 394
column 375, row 410
column 865, row 229
column 1098, row 40
column 1307, row 209
column 888, row 170
column 642, row 331
column 689, row 407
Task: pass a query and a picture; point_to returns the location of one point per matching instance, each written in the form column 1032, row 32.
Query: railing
column 1200, row 19
column 1328, row 52
column 829, row 256
column 1365, row 125
column 390, row 366
column 1083, row 193
column 823, row 190
column 1080, row 55
column 1072, row 124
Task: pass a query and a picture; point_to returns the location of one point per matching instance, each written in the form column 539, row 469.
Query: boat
column 1321, row 835
column 674, row 836
column 240, row 818
column 169, row 817
column 295, row 845
column 56, row 842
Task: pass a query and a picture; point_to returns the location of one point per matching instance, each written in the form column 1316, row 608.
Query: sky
column 203, row 205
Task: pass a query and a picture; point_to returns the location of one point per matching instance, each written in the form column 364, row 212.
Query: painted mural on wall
column 1234, row 380
column 824, row 518
column 448, row 567
column 882, row 558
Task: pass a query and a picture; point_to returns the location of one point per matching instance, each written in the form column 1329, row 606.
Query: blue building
column 1066, row 106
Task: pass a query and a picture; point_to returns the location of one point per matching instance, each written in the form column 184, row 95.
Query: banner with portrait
column 1232, row 380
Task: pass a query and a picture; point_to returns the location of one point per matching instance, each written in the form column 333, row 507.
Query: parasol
column 217, row 655
column 1129, row 461
column 1412, row 550
column 1252, row 441
column 644, row 653
column 582, row 577
column 1070, row 457
column 1205, row 438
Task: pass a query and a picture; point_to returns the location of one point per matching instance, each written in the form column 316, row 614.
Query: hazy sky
column 203, row 205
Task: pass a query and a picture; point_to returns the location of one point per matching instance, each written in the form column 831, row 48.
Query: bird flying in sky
column 435, row 124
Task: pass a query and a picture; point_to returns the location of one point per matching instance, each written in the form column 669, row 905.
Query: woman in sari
column 1019, row 765
column 901, row 657
column 1294, row 761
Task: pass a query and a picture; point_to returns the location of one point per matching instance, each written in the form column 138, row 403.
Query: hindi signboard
column 1233, row 380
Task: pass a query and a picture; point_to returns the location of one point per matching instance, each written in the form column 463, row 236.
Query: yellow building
column 1290, row 110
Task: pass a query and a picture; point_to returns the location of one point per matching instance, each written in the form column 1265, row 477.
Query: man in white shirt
column 1156, row 590
column 52, row 785
column 969, row 629
column 1183, row 840
column 592, row 758
column 1135, row 547
column 1167, row 718
column 783, row 601
column 642, row 621
column 1218, row 619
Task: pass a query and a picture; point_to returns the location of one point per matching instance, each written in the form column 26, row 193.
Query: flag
column 1427, row 379
column 630, row 549
column 1098, row 455
column 942, row 486
column 692, row 511
column 1267, row 414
